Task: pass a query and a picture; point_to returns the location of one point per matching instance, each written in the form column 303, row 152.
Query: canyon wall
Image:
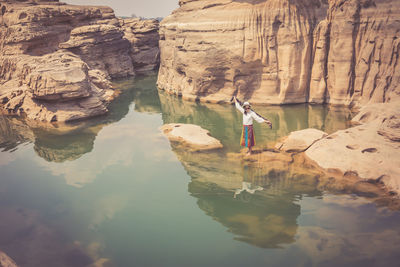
column 143, row 36
column 280, row 51
column 356, row 52
column 57, row 60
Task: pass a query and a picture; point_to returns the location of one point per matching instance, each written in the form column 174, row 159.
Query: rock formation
column 143, row 36
column 280, row 51
column 56, row 60
column 299, row 141
column 370, row 150
column 64, row 141
column 193, row 136
column 341, row 52
column 356, row 53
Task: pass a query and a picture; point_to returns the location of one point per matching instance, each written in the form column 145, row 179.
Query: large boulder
column 299, row 141
column 54, row 87
column 370, row 150
column 57, row 60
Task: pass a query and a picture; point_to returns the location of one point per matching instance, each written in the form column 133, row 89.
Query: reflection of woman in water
column 248, row 139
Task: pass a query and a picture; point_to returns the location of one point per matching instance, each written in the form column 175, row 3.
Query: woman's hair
column 245, row 111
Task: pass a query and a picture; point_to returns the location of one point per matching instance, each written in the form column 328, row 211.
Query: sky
column 141, row 8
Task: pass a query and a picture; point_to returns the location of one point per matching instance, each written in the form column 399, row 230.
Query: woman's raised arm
column 238, row 106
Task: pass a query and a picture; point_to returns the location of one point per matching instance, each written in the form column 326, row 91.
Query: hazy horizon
column 148, row 8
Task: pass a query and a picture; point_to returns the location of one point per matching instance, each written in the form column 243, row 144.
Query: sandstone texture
column 370, row 151
column 57, row 60
column 279, row 51
column 299, row 141
column 356, row 53
column 143, row 36
column 191, row 135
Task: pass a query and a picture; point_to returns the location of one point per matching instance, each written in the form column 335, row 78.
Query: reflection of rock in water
column 61, row 142
column 53, row 144
column 31, row 242
column 265, row 218
column 256, row 219
column 146, row 94
column 13, row 132
column 70, row 146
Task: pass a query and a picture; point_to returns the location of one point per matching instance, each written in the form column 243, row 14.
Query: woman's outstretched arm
column 260, row 120
column 257, row 118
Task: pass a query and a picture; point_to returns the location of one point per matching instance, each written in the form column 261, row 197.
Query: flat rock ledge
column 190, row 135
column 370, row 151
column 299, row 141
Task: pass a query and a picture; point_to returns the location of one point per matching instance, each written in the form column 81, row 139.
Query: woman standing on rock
column 248, row 139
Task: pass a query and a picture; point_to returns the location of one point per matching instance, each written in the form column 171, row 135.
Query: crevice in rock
column 356, row 27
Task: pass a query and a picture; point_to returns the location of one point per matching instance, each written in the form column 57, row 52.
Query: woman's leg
column 250, row 150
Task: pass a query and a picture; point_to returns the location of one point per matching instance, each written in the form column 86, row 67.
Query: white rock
column 191, row 135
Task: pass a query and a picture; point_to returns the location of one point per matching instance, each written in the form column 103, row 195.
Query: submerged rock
column 193, row 136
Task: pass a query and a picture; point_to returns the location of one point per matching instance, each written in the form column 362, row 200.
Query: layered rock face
column 260, row 50
column 356, row 53
column 56, row 60
column 143, row 36
column 279, row 51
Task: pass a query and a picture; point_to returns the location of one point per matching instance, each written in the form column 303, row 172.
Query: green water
column 113, row 191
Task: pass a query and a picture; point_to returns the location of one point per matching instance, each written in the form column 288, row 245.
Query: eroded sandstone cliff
column 280, row 51
column 56, row 60
column 356, row 53
column 143, row 36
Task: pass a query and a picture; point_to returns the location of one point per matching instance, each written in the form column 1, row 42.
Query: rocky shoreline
column 57, row 60
column 338, row 52
column 292, row 162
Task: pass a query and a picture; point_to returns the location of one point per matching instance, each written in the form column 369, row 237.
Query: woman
column 247, row 138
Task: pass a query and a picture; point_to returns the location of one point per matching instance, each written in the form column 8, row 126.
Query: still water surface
column 114, row 192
